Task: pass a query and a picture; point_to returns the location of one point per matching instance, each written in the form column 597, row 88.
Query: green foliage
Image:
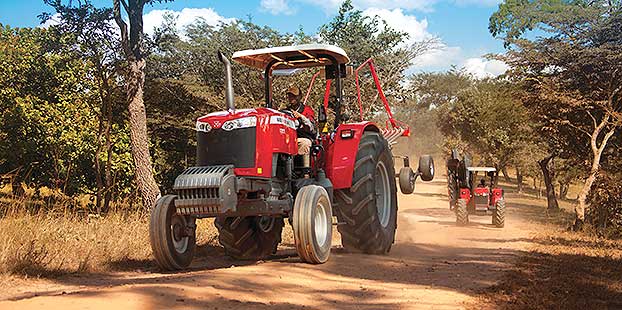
column 47, row 117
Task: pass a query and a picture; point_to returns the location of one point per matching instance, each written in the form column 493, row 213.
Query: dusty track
column 433, row 265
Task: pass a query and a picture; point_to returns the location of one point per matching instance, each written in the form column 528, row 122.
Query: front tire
column 368, row 210
column 251, row 237
column 312, row 221
column 172, row 236
column 452, row 189
column 462, row 214
column 498, row 215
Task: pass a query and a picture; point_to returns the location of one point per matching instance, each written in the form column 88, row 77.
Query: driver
column 306, row 120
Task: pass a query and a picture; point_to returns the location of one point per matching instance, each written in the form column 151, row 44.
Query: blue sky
column 460, row 24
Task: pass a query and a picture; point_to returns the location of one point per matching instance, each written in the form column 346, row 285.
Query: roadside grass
column 561, row 269
column 56, row 241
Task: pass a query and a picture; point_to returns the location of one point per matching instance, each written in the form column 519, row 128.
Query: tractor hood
column 242, row 118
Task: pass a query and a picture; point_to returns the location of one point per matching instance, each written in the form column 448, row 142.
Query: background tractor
column 474, row 191
column 250, row 177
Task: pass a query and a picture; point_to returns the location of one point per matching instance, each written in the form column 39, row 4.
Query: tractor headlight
column 203, row 127
column 244, row 122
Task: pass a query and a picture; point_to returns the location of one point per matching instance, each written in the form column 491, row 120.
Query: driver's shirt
column 304, row 131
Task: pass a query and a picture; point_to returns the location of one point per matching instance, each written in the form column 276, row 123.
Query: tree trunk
column 519, row 180
column 547, row 174
column 145, row 180
column 506, row 176
column 597, row 151
column 563, row 190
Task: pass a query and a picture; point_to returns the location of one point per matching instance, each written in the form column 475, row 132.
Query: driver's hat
column 294, row 91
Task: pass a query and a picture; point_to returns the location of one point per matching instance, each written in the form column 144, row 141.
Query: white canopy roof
column 487, row 169
column 289, row 57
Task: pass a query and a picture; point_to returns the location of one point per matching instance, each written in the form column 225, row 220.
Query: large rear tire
column 462, row 214
column 172, row 236
column 498, row 215
column 251, row 237
column 452, row 189
column 312, row 221
column 368, row 210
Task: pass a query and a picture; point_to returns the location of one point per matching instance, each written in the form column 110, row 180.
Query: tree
column 133, row 45
column 364, row 37
column 94, row 40
column 46, row 120
column 572, row 76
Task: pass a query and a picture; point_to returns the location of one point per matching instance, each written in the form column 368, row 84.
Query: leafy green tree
column 572, row 75
column 46, row 121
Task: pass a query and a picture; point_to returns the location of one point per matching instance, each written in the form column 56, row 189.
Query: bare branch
column 122, row 26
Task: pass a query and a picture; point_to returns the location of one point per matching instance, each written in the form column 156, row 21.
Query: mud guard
column 341, row 152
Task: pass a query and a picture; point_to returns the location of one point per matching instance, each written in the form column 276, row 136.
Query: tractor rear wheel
column 462, row 214
column 498, row 215
column 251, row 237
column 172, row 236
column 368, row 210
column 312, row 222
column 452, row 189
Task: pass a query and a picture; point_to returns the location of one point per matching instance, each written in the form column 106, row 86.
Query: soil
column 433, row 265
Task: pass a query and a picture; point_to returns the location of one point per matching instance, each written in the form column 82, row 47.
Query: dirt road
column 433, row 265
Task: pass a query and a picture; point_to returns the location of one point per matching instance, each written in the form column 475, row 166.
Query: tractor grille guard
column 206, row 190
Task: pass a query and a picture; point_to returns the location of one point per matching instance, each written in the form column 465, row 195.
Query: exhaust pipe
column 228, row 81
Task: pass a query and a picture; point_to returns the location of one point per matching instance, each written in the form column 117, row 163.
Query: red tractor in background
column 250, row 177
column 468, row 196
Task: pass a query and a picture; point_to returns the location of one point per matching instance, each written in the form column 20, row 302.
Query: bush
column 605, row 212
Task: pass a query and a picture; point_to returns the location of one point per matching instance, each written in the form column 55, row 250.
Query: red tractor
column 468, row 196
column 250, row 177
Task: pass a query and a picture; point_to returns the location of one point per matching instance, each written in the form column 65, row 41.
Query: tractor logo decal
column 277, row 119
column 217, row 124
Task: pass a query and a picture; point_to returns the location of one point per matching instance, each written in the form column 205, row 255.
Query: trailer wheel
column 312, row 221
column 498, row 215
column 368, row 210
column 426, row 167
column 251, row 237
column 462, row 214
column 407, row 180
column 172, row 236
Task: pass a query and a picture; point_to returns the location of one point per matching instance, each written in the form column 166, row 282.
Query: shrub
column 605, row 212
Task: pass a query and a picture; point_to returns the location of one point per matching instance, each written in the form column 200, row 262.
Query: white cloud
column 478, row 2
column 276, row 7
column 331, row 6
column 396, row 19
column 483, row 68
column 54, row 20
column 441, row 58
column 184, row 18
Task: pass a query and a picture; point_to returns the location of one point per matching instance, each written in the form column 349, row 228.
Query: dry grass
column 561, row 270
column 52, row 243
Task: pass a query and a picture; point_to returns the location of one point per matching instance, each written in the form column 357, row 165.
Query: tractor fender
column 341, row 148
column 497, row 194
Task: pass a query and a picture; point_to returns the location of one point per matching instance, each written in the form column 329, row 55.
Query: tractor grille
column 221, row 147
column 481, row 202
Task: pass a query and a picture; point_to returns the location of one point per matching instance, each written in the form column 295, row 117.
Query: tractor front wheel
column 312, row 221
column 172, row 236
column 452, row 189
column 251, row 237
column 462, row 214
column 368, row 210
column 498, row 215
